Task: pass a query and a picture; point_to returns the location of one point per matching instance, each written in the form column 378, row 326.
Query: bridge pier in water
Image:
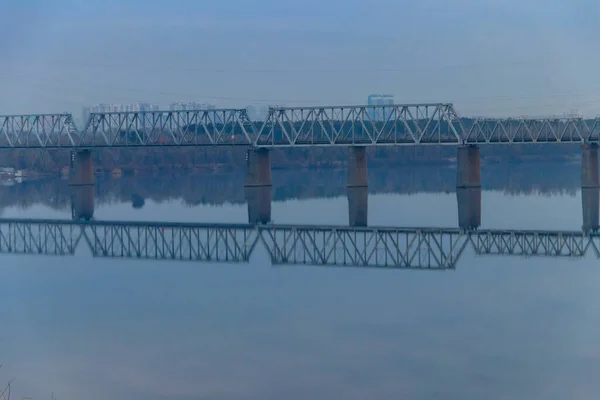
column 468, row 187
column 81, row 169
column 259, row 204
column 357, row 167
column 358, row 205
column 82, row 202
column 258, row 168
column 469, row 207
column 468, row 168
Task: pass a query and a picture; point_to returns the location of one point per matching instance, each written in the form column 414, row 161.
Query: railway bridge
column 354, row 127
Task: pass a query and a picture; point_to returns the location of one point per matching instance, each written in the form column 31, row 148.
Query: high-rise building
column 380, row 114
column 259, row 113
column 85, row 114
column 264, row 112
column 253, row 113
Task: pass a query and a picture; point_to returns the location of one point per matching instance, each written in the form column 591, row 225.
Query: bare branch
column 5, row 394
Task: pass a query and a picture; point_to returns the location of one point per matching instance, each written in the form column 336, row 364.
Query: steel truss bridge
column 389, row 125
column 375, row 247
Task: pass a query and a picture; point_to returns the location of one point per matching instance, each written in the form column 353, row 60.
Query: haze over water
column 495, row 327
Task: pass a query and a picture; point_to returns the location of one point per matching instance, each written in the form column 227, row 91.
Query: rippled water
column 503, row 327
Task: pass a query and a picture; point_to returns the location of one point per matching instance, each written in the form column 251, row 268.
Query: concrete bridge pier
column 468, row 168
column 258, row 168
column 357, row 167
column 81, row 169
column 259, row 204
column 358, row 205
column 589, row 166
column 469, row 207
column 82, row 202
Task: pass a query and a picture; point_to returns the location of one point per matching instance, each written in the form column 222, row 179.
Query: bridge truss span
column 225, row 243
column 534, row 243
column 37, row 131
column 409, row 124
column 370, row 247
column 531, row 130
column 380, row 247
column 39, row 237
column 168, row 128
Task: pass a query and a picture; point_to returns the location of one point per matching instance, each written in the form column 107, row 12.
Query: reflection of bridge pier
column 82, row 202
column 469, row 207
column 358, row 205
column 81, row 171
column 357, row 167
column 590, row 187
column 468, row 168
column 259, row 204
column 590, row 201
column 258, row 168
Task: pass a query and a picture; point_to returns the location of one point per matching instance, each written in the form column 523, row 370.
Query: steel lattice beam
column 38, row 131
column 406, row 248
column 39, row 237
column 409, row 124
column 225, row 243
column 168, row 128
column 527, row 130
column 382, row 247
column 533, row 243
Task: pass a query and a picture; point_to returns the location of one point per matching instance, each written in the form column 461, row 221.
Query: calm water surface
column 496, row 327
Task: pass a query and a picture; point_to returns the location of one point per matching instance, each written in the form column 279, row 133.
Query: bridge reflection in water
column 379, row 247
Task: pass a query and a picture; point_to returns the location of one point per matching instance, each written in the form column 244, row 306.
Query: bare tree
column 6, row 392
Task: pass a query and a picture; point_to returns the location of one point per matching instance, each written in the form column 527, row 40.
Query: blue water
column 496, row 327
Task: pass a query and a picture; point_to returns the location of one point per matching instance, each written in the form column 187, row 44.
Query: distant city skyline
column 191, row 105
column 102, row 108
column 488, row 57
column 254, row 112
column 260, row 112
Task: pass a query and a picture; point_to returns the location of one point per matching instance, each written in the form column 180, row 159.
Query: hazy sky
column 494, row 57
